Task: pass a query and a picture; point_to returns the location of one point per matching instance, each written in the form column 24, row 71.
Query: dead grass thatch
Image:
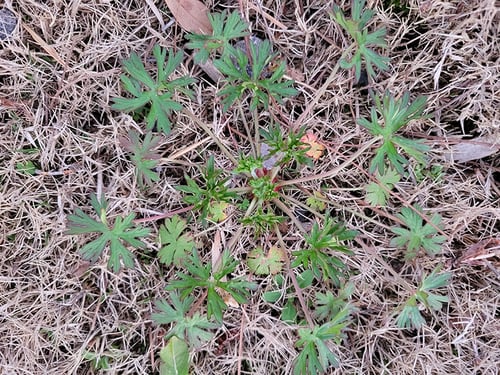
column 58, row 73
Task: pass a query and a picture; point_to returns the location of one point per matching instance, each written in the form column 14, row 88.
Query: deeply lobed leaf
column 123, row 231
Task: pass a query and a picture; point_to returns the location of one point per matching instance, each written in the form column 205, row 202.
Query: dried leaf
column 51, row 51
column 192, row 15
column 479, row 253
column 316, row 148
column 473, row 149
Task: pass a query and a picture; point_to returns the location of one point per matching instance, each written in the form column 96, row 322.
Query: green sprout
column 213, row 190
column 225, row 29
column 194, row 329
column 203, row 276
column 395, row 115
column 156, row 96
column 417, row 236
column 410, row 315
column 317, row 256
column 251, row 74
column 356, row 27
column 315, row 356
column 122, row 231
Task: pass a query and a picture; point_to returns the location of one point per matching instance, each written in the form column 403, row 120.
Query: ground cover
column 331, row 203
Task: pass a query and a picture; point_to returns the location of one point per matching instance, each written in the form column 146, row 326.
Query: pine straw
column 54, row 307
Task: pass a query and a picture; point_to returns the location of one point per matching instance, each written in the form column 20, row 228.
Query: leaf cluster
column 250, row 74
column 290, row 147
column 410, row 315
column 225, row 28
column 194, row 329
column 418, row 235
column 203, row 276
column 321, row 242
column 315, row 356
column 154, row 95
column 213, row 190
column 123, row 231
column 356, row 27
column 395, row 113
column 328, row 305
column 261, row 220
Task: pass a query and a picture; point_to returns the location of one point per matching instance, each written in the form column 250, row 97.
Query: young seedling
column 262, row 220
column 290, row 146
column 257, row 81
column 315, row 356
column 155, row 96
column 395, row 114
column 144, row 156
column 410, row 316
column 225, row 29
column 122, row 231
column 202, row 276
column 195, row 329
column 317, row 256
column 356, row 27
column 328, row 305
column 417, row 236
column 213, row 191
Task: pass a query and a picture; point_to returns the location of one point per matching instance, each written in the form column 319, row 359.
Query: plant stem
column 319, row 93
column 298, row 290
column 211, row 134
column 237, row 235
column 164, row 215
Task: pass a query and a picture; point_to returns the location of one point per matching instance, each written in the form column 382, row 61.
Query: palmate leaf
column 317, row 256
column 395, row 114
column 194, row 329
column 249, row 74
column 202, row 276
column 154, row 95
column 410, row 316
column 266, row 264
column 328, row 305
column 362, row 40
column 315, row 356
column 212, row 190
column 377, row 193
column 176, row 245
column 123, row 231
column 225, row 29
column 417, row 236
column 144, row 157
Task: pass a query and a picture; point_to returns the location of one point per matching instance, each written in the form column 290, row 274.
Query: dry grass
column 54, row 307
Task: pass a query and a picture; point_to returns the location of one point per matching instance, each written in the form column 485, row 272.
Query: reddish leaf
column 316, row 148
column 192, row 15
